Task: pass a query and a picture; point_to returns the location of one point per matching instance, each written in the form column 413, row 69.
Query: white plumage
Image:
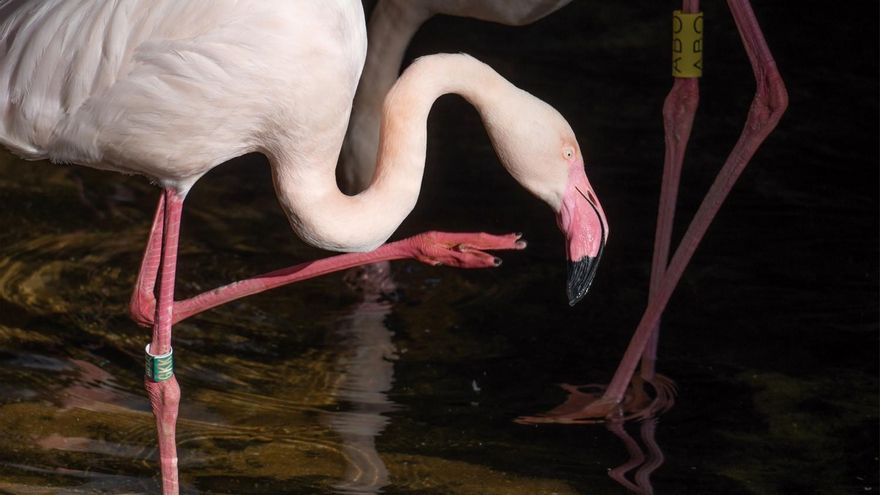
column 101, row 83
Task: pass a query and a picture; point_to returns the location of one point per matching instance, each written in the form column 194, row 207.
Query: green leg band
column 159, row 368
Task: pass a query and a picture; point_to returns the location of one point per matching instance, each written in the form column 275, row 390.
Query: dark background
column 772, row 335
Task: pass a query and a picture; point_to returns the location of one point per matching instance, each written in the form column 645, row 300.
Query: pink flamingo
column 169, row 90
column 768, row 105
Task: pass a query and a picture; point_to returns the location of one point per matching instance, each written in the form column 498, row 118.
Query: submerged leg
column 160, row 382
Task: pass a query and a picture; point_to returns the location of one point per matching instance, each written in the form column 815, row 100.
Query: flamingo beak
column 583, row 222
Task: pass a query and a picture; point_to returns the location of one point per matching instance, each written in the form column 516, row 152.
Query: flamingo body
column 170, row 89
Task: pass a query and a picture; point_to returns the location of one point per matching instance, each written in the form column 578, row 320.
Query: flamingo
column 168, row 90
column 393, row 23
column 766, row 110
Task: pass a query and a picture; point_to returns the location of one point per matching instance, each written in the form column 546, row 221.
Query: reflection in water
column 644, row 406
column 646, row 399
column 366, row 362
column 91, row 482
column 645, row 462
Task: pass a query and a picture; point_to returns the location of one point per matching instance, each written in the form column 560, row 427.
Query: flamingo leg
column 160, row 259
column 462, row 250
column 142, row 307
column 165, row 394
column 768, row 105
column 436, row 248
column 678, row 119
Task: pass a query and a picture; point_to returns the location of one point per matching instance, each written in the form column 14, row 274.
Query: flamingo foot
column 462, row 250
column 165, row 400
column 585, row 403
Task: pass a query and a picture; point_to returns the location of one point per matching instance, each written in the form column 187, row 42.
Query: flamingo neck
column 325, row 217
column 392, row 26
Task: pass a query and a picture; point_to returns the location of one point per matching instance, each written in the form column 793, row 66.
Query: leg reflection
column 645, row 462
column 367, row 369
column 646, row 398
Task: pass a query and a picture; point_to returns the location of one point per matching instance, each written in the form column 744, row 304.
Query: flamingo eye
column 568, row 153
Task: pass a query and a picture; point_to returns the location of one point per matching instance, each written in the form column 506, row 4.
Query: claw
column 463, row 250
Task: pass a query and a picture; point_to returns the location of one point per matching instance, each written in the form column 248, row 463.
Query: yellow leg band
column 687, row 44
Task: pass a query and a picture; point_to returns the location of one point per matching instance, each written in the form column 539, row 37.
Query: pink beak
column 583, row 222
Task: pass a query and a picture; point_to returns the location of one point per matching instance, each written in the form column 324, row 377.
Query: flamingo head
column 539, row 149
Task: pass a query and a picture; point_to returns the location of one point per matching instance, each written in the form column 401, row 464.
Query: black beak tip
column 580, row 277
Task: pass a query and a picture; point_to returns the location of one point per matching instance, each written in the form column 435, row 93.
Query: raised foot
column 462, row 250
column 585, row 403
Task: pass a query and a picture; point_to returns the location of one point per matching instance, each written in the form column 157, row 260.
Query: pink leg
column 767, row 108
column 678, row 119
column 434, row 248
column 462, row 250
column 165, row 399
column 143, row 300
column 165, row 395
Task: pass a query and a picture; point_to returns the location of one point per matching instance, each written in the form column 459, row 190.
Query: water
column 771, row 337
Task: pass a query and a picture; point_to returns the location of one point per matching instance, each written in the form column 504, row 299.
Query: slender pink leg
column 434, row 248
column 462, row 250
column 143, row 300
column 767, row 108
column 165, row 399
column 678, row 119
column 165, row 395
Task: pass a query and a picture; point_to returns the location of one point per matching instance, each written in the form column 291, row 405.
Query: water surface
column 772, row 336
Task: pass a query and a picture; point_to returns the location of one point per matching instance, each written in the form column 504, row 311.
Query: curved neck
column 325, row 217
column 392, row 25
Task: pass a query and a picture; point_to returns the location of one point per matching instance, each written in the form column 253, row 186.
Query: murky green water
column 772, row 336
